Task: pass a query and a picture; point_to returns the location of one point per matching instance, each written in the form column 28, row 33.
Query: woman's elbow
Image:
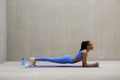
column 84, row 64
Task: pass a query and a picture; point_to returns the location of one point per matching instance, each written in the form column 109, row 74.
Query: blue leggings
column 62, row 60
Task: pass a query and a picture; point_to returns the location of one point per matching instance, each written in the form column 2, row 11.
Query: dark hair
column 84, row 45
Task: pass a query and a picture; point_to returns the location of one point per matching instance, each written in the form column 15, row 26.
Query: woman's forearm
column 89, row 65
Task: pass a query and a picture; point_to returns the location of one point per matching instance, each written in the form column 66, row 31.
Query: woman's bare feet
column 32, row 61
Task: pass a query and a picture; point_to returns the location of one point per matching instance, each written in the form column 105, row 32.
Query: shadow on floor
column 58, row 66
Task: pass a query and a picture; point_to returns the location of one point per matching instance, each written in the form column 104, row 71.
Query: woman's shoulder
column 84, row 51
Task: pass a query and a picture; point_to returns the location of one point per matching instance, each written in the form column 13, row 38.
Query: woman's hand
column 96, row 64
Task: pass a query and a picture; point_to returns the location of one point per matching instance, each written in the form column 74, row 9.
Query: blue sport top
column 79, row 55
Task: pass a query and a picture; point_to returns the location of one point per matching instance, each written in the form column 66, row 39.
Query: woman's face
column 90, row 46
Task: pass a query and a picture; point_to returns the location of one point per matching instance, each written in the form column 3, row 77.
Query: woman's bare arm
column 84, row 61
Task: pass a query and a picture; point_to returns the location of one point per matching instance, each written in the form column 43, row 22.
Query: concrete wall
column 57, row 27
column 2, row 30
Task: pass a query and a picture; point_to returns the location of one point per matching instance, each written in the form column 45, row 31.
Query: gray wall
column 56, row 27
column 3, row 31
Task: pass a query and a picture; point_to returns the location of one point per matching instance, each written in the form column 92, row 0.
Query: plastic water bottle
column 23, row 62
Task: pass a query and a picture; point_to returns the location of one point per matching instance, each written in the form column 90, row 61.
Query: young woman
column 82, row 54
